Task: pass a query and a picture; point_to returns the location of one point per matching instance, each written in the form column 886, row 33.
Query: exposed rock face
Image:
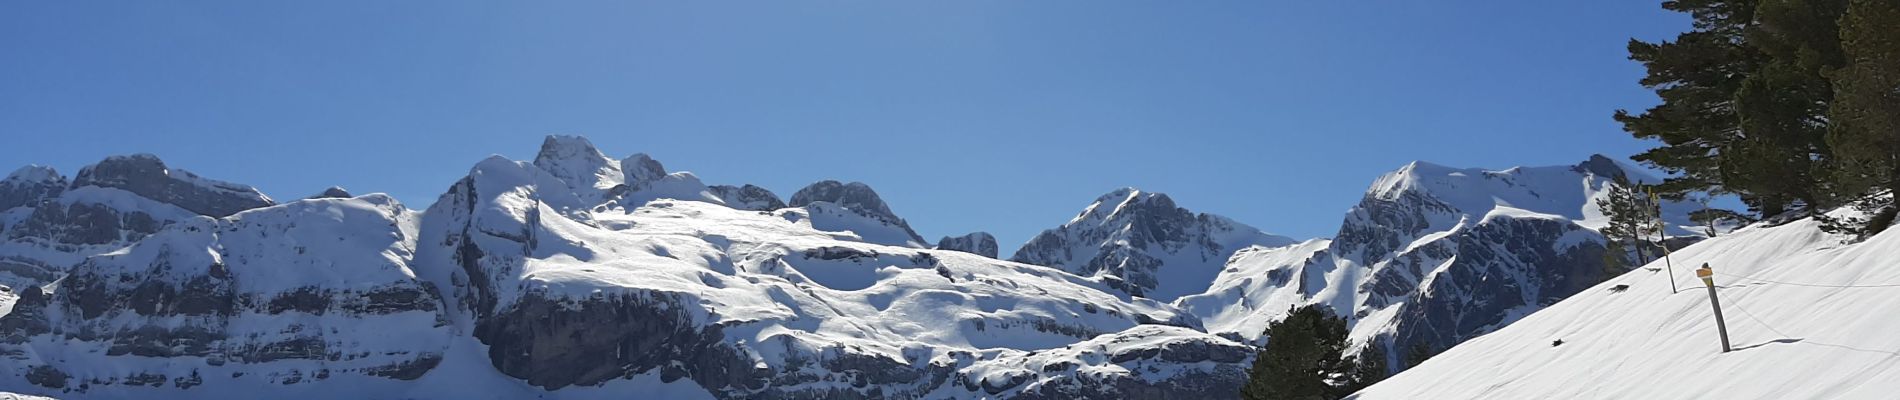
column 979, row 243
column 581, row 275
column 748, row 197
column 856, row 197
column 287, row 290
column 49, row 225
column 575, row 162
column 333, row 192
column 728, row 299
column 29, row 185
column 1134, row 238
column 1433, row 256
column 147, row 176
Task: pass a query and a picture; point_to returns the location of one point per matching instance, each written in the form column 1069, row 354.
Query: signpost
column 1708, row 279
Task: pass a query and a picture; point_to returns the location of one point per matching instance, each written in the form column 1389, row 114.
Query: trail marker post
column 1708, row 279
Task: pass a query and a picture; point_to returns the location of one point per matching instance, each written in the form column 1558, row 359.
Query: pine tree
column 1417, row 354
column 1369, row 367
column 1304, row 360
column 1745, row 101
column 1865, row 129
column 1697, row 77
column 1629, row 217
column 1782, row 107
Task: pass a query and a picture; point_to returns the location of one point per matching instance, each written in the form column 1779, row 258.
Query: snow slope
column 1809, row 317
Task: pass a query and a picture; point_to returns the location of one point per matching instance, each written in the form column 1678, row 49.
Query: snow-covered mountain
column 575, row 276
column 1808, row 316
column 1144, row 245
column 48, row 225
column 1433, row 256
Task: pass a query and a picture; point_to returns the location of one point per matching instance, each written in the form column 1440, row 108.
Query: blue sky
column 1004, row 116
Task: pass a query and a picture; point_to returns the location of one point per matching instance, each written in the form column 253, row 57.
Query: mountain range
column 576, row 275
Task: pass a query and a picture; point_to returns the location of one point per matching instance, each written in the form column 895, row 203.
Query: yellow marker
column 1707, row 274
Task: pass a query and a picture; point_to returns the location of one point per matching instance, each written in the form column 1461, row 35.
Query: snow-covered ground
column 1809, row 318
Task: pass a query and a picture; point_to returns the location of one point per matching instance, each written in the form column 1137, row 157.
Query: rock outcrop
column 979, row 243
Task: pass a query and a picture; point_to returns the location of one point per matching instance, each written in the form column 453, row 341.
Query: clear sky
column 1003, row 116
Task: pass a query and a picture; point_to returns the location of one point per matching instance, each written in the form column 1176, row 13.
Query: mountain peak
column 148, row 176
column 35, row 173
column 568, row 146
column 642, row 168
column 30, row 184
column 1602, row 166
column 1144, row 244
column 577, row 162
column 1123, row 200
column 860, row 199
column 855, row 195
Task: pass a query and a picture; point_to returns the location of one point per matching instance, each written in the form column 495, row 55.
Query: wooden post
column 1663, row 240
column 1708, row 279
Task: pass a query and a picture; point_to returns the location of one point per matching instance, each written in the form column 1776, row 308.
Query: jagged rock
column 979, row 243
column 747, row 197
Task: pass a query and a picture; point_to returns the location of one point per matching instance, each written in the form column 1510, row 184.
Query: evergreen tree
column 1304, row 360
column 1369, row 367
column 1417, row 354
column 1782, row 107
column 1629, row 214
column 1865, row 129
column 1745, row 100
column 1697, row 77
